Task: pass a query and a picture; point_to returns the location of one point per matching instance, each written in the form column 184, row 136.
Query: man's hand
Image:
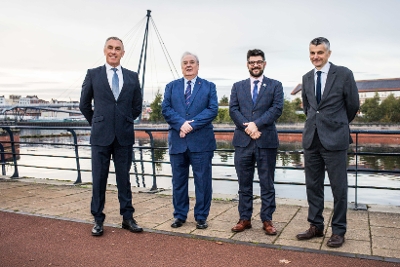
column 182, row 134
column 251, row 128
column 186, row 128
column 255, row 135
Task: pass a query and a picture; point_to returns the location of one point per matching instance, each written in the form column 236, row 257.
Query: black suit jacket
column 108, row 117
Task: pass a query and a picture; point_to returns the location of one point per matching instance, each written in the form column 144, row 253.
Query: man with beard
column 255, row 104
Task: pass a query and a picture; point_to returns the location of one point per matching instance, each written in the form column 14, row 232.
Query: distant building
column 368, row 88
column 3, row 100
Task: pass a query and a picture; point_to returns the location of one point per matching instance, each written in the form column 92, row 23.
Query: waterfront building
column 368, row 88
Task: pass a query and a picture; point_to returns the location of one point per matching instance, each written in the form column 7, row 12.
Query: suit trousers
column 245, row 159
column 316, row 158
column 122, row 157
column 202, row 172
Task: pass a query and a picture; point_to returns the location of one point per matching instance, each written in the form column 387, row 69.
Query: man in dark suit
column 190, row 105
column 255, row 104
column 330, row 102
column 117, row 102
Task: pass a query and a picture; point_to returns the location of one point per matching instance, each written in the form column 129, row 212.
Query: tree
column 371, row 110
column 224, row 101
column 156, row 114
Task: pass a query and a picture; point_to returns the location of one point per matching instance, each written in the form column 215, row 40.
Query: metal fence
column 9, row 147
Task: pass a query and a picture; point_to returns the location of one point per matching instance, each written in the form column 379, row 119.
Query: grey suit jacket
column 264, row 113
column 110, row 118
column 338, row 107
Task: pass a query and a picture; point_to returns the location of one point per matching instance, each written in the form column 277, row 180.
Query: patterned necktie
column 188, row 93
column 318, row 90
column 115, row 84
column 255, row 91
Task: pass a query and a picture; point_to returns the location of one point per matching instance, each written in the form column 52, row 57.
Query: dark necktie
column 188, row 93
column 255, row 91
column 115, row 84
column 318, row 86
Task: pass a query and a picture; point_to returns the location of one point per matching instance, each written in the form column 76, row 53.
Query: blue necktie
column 188, row 93
column 318, row 86
column 115, row 84
column 255, row 91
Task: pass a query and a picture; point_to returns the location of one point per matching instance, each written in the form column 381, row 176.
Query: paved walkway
column 372, row 234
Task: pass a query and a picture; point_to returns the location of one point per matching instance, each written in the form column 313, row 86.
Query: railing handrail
column 152, row 148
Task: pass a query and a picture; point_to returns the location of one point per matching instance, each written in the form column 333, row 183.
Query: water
column 365, row 196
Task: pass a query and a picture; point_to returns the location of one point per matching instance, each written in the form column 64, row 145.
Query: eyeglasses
column 258, row 62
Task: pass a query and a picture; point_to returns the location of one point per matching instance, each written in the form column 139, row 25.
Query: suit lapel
column 263, row 89
column 195, row 90
column 329, row 81
column 103, row 77
column 247, row 90
column 310, row 88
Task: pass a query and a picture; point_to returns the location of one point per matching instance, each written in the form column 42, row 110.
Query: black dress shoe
column 201, row 224
column 132, row 226
column 335, row 241
column 177, row 223
column 97, row 229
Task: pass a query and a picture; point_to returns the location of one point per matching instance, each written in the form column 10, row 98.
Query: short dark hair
column 254, row 53
column 321, row 40
column 113, row 38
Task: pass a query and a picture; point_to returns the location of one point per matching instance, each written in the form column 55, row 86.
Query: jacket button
column 317, row 111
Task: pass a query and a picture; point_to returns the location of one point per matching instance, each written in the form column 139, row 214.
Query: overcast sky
column 48, row 45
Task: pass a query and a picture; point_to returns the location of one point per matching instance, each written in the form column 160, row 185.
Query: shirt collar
column 324, row 69
column 192, row 81
column 109, row 67
column 252, row 79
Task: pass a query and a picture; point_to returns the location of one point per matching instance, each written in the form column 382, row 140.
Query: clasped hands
column 185, row 129
column 252, row 130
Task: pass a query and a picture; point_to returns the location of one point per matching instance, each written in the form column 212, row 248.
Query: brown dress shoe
column 310, row 233
column 241, row 226
column 269, row 228
column 335, row 241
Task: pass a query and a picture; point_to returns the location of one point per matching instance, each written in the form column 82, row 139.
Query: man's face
column 319, row 55
column 114, row 51
column 190, row 67
column 256, row 66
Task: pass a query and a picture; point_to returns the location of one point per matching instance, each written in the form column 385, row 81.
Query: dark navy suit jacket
column 267, row 109
column 110, row 118
column 203, row 108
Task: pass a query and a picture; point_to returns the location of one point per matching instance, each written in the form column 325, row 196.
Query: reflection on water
column 289, row 156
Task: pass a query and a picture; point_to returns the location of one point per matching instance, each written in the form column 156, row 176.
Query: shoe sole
column 97, row 234
column 238, row 231
column 201, row 227
column 303, row 238
column 133, row 231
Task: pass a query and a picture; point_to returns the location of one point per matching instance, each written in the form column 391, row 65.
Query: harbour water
column 225, row 179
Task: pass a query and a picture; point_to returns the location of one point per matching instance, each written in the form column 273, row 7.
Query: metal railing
column 152, row 148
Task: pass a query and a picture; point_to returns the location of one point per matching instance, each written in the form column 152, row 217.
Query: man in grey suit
column 330, row 102
column 255, row 104
column 117, row 102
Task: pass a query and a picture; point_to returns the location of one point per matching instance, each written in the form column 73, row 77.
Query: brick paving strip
column 372, row 238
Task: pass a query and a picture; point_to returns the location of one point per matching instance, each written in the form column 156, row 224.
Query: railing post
column 3, row 160
column 14, row 153
column 153, row 164
column 78, row 166
column 356, row 184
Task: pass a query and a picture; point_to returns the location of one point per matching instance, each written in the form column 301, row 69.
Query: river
column 35, row 155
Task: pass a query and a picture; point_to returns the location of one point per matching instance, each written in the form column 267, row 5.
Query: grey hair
column 321, row 40
column 113, row 38
column 189, row 54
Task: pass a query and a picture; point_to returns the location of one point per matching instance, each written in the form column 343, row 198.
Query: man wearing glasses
column 255, row 104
